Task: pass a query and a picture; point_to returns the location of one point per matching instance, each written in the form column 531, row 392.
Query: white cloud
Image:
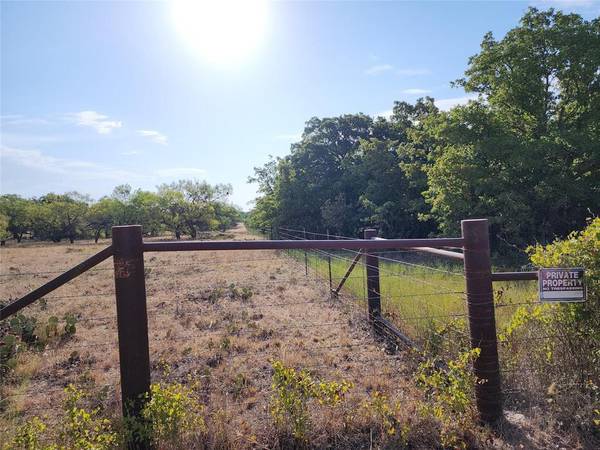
column 31, row 140
column 181, row 172
column 413, row 72
column 154, row 136
column 131, row 152
column 95, row 120
column 36, row 160
column 415, row 91
column 72, row 169
column 379, row 68
column 448, row 103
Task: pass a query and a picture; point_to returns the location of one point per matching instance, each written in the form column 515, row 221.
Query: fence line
column 133, row 312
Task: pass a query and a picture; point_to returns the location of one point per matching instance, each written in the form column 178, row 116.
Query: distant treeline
column 183, row 208
column 525, row 153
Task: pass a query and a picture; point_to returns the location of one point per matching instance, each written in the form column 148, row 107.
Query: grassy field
column 218, row 320
column 418, row 291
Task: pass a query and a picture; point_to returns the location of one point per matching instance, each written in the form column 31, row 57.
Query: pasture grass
column 418, row 292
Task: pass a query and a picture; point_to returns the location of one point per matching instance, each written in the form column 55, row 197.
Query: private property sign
column 561, row 285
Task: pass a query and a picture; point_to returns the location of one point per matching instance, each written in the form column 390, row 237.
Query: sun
column 222, row 32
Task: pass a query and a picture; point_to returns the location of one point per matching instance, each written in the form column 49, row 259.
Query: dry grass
column 220, row 318
column 201, row 324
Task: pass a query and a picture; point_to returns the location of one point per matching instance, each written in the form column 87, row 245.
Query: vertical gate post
column 305, row 255
column 373, row 289
column 329, row 268
column 482, row 319
column 132, row 319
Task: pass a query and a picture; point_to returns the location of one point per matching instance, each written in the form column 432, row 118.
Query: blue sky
column 95, row 94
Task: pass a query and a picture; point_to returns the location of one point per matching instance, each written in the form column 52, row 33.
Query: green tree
column 18, row 212
column 143, row 208
column 173, row 209
column 191, row 205
column 4, row 233
column 102, row 215
column 57, row 217
column 527, row 153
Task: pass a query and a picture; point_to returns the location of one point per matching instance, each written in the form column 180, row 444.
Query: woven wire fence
column 224, row 318
column 220, row 318
column 423, row 295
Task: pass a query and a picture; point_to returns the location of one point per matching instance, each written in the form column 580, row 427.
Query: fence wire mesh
column 223, row 317
column 423, row 295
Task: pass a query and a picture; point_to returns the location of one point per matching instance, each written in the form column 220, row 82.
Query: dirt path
column 220, row 316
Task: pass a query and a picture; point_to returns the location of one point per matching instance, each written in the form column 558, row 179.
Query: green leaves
column 525, row 154
column 293, row 389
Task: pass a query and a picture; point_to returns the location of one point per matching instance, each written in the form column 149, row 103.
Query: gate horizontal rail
column 128, row 250
column 171, row 246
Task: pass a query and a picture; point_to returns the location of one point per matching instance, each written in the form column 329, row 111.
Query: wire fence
column 208, row 314
column 425, row 298
column 219, row 313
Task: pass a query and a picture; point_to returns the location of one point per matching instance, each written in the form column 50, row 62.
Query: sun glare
column 221, row 32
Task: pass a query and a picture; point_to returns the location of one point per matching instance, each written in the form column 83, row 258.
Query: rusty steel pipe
column 435, row 251
column 482, row 319
column 132, row 321
column 182, row 246
column 355, row 261
column 514, row 276
column 373, row 289
column 441, row 252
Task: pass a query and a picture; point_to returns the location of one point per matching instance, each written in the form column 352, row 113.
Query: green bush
column 28, row 436
column 386, row 414
column 293, row 389
column 80, row 429
column 552, row 350
column 83, row 429
column 450, row 395
column 172, row 416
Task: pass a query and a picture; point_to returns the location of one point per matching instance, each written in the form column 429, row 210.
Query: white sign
column 561, row 285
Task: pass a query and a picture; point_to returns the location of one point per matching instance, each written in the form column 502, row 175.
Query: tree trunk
column 177, row 234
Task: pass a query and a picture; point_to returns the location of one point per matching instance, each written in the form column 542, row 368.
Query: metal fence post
column 132, row 319
column 305, row 255
column 329, row 268
column 373, row 289
column 482, row 320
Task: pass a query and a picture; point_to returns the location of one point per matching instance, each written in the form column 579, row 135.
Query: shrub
column 450, row 394
column 34, row 333
column 84, row 429
column 386, row 415
column 8, row 352
column 293, row 390
column 172, row 415
column 28, row 436
column 560, row 371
